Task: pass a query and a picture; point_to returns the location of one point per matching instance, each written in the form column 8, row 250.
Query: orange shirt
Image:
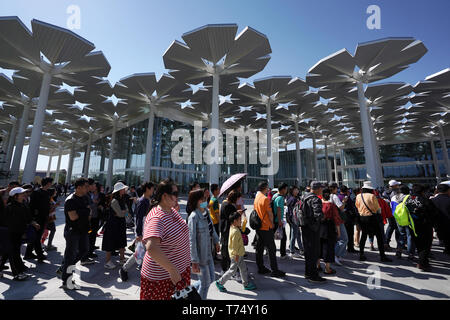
column 371, row 201
column 262, row 207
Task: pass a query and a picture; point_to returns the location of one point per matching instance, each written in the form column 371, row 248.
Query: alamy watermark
column 374, row 20
column 374, row 280
column 213, row 153
column 74, row 20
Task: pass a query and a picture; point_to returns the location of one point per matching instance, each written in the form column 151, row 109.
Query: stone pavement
column 398, row 280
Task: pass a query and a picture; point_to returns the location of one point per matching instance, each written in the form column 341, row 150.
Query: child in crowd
column 236, row 250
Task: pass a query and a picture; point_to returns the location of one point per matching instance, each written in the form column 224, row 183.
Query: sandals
column 332, row 271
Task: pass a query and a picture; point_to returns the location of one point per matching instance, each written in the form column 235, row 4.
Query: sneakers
column 286, row 257
column 398, row 254
column 74, row 286
column 264, row 271
column 317, row 279
column 123, row 275
column 278, row 274
column 110, row 265
column 387, row 247
column 87, row 261
column 2, row 268
column 337, row 261
column 250, row 286
column 21, row 276
column 220, row 287
column 295, row 255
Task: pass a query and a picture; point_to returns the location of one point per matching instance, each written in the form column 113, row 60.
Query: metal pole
column 149, row 145
column 9, row 151
column 444, row 149
column 369, row 148
column 336, row 175
column 327, row 162
column 58, row 166
column 297, row 154
column 435, row 162
column 71, row 156
column 315, row 166
column 269, row 142
column 214, row 167
column 49, row 165
column 15, row 167
column 35, row 141
column 111, row 155
column 87, row 156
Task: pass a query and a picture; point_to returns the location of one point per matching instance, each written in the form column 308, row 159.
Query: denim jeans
column 392, row 227
column 295, row 236
column 206, row 277
column 406, row 236
column 341, row 244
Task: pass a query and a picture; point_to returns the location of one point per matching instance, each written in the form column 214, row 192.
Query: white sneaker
column 337, row 261
column 296, row 255
column 110, row 265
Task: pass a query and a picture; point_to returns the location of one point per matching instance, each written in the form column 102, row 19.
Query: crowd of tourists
column 328, row 224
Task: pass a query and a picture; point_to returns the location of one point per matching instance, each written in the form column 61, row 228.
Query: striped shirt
column 174, row 234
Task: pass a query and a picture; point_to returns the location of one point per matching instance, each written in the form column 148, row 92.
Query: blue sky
column 134, row 34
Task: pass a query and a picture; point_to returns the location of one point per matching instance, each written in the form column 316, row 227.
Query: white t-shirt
column 335, row 199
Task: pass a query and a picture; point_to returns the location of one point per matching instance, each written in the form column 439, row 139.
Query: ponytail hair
column 164, row 186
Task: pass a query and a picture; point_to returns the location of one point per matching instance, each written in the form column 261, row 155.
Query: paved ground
column 398, row 280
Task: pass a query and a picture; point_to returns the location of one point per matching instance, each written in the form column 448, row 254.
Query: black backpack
column 303, row 212
column 255, row 221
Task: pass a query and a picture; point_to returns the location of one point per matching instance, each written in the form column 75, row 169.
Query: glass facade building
column 408, row 162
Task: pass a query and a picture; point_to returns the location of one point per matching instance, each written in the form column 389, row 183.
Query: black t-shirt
column 81, row 206
column 40, row 205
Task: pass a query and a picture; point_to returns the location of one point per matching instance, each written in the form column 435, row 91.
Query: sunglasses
column 173, row 193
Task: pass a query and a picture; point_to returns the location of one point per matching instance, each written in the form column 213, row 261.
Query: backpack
column 272, row 206
column 255, row 220
column 402, row 215
column 301, row 213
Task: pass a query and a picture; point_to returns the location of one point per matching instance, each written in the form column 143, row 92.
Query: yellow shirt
column 235, row 243
column 214, row 210
column 371, row 201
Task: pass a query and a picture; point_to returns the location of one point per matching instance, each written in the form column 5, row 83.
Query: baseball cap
column 316, row 185
column 17, row 190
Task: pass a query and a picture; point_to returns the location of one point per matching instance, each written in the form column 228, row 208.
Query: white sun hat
column 17, row 190
column 394, row 183
column 119, row 186
column 368, row 185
